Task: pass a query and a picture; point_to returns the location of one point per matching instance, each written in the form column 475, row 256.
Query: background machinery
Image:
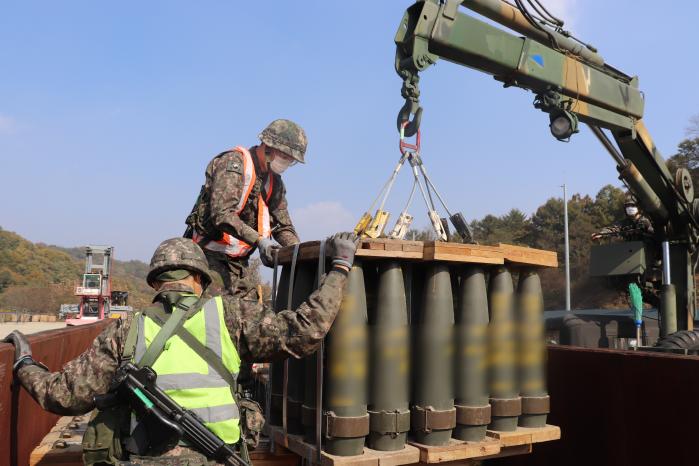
column 573, row 84
column 95, row 290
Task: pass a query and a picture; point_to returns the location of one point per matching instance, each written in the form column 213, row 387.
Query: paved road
column 28, row 327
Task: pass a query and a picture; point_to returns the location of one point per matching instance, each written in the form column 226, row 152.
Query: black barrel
column 432, row 412
column 389, row 388
column 471, row 391
column 532, row 350
column 345, row 418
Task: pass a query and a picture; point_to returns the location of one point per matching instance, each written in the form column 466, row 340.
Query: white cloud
column 321, row 219
column 8, row 125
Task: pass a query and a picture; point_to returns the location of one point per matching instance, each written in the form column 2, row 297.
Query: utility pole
column 567, row 246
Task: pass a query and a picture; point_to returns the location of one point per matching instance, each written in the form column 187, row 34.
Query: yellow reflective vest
column 187, row 378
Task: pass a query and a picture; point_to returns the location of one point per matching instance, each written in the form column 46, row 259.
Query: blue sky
column 110, row 111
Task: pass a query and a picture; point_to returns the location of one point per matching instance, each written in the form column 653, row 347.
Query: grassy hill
column 39, row 278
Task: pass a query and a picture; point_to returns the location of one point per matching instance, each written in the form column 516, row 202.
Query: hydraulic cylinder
column 506, row 405
column 389, row 389
column 668, row 310
column 471, row 391
column 433, row 415
column 345, row 418
column 531, row 350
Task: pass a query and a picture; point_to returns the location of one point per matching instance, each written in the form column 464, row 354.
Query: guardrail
column 22, row 422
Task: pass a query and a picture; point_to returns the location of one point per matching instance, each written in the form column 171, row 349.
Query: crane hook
column 404, row 124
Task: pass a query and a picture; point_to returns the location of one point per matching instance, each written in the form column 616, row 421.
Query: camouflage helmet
column 286, row 136
column 629, row 199
column 179, row 253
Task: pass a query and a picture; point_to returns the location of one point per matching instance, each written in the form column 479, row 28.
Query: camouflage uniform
column 214, row 212
column 258, row 333
column 630, row 229
column 224, row 188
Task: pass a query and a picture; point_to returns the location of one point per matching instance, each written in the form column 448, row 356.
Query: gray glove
column 343, row 247
column 267, row 246
column 23, row 350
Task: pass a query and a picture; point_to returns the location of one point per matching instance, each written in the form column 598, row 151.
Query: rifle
column 163, row 422
column 624, row 231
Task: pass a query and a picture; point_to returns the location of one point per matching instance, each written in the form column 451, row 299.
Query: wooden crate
column 434, row 251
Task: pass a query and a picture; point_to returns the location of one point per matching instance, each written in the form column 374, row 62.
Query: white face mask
column 278, row 165
column 631, row 211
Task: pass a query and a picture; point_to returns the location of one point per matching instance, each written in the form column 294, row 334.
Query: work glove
column 267, row 247
column 23, row 350
column 342, row 247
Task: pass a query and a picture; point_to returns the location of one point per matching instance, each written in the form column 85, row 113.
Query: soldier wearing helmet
column 229, row 329
column 242, row 204
column 634, row 227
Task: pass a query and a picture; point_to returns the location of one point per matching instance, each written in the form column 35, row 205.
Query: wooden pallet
column 434, row 251
column 495, row 445
column 63, row 444
column 528, row 256
column 526, row 435
column 295, row 443
column 457, row 252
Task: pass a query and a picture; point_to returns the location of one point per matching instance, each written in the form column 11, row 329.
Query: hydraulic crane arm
column 572, row 83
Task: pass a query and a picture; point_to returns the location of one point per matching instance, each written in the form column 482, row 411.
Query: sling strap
column 132, row 336
column 203, row 351
column 176, row 319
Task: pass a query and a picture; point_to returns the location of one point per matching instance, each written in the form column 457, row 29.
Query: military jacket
column 257, row 332
column 223, row 189
column 638, row 229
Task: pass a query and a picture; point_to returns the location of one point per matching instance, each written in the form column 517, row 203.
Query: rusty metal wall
column 620, row 408
column 22, row 422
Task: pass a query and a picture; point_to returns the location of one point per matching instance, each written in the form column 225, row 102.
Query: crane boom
column 573, row 84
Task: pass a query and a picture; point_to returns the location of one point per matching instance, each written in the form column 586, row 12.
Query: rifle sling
column 181, row 311
column 203, row 351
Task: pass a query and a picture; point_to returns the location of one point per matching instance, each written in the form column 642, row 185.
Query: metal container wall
column 471, row 391
column 345, row 418
column 506, row 405
column 389, row 389
column 531, row 352
column 22, row 422
column 432, row 413
column 620, row 408
column 277, row 370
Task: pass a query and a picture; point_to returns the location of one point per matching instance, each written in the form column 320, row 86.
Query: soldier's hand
column 23, row 350
column 267, row 247
column 343, row 246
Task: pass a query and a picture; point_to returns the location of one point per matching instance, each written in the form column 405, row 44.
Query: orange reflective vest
column 229, row 244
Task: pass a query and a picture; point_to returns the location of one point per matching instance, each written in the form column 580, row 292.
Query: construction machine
column 573, row 83
column 95, row 289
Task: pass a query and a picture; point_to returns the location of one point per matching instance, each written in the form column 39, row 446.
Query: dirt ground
column 28, row 327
